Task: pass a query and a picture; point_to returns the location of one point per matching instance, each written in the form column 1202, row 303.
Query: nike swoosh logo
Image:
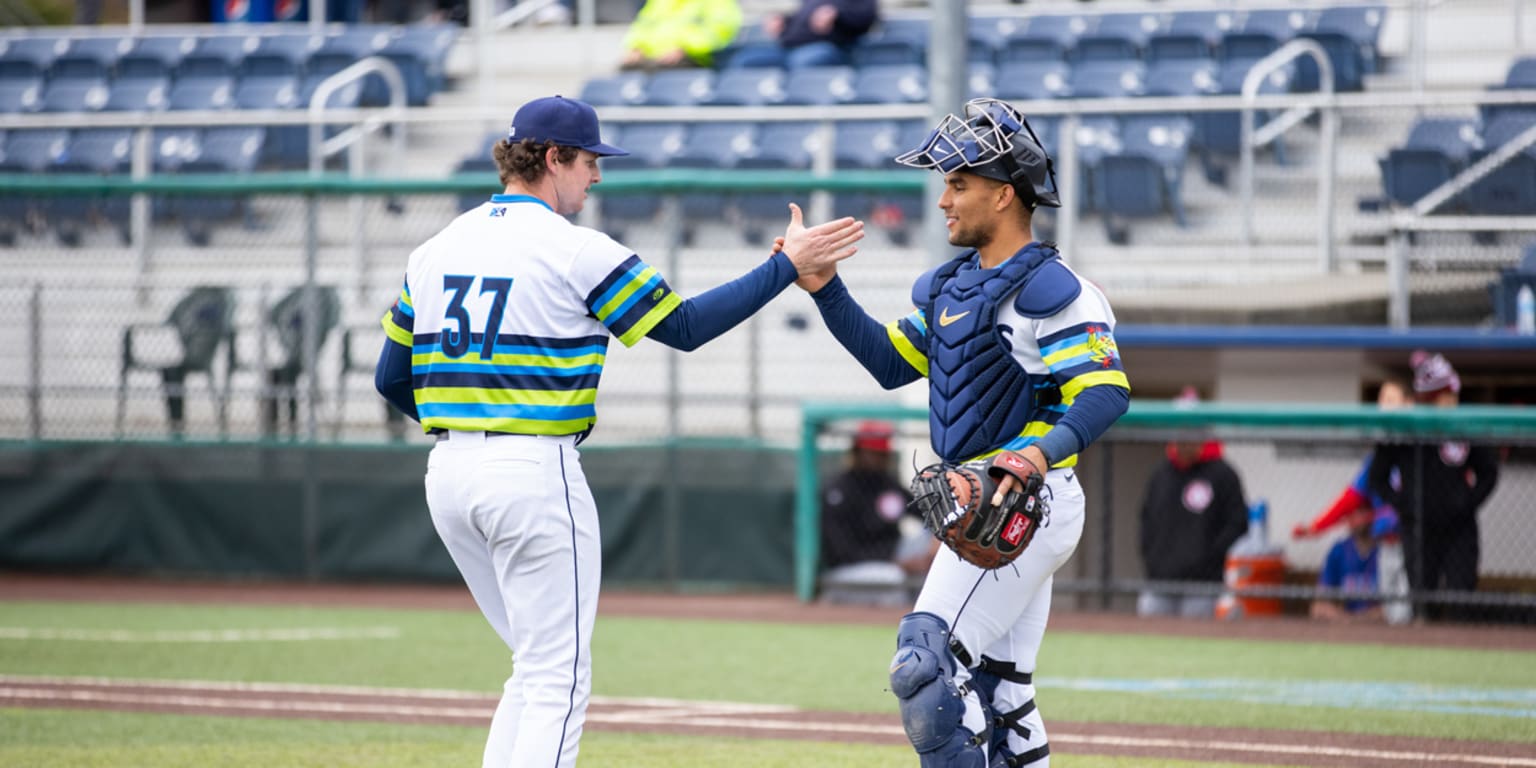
column 945, row 318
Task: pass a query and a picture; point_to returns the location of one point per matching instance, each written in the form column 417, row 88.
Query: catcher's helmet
column 993, row 140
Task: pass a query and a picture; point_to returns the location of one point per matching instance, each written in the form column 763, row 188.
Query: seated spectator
column 667, row 34
column 821, row 33
column 1192, row 512
column 870, row 543
column 1352, row 567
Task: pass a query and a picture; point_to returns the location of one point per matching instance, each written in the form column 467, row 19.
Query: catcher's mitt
column 956, row 504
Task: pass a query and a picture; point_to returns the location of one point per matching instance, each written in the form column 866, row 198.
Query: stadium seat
column 992, row 31
column 1435, row 150
column 1096, row 47
column 1045, row 38
column 1108, row 79
column 747, row 86
column 223, row 151
column 1218, row 135
column 343, row 50
column 154, row 58
column 31, row 56
column 484, row 167
column 26, row 151
column 1144, row 176
column 1280, row 24
column 143, row 94
column 276, row 92
column 421, row 53
column 678, row 88
column 1025, row 80
column 89, row 151
column 819, row 86
column 865, row 145
column 88, row 59
column 890, row 48
column 236, row 148
column 623, row 89
column 75, row 95
column 1210, row 26
column 1510, row 189
column 21, row 94
column 216, row 56
column 651, row 146
column 277, row 354
column 780, row 146
column 895, row 84
column 1178, row 46
column 711, row 145
column 1361, row 24
column 201, row 93
column 280, row 56
column 1117, row 37
column 1520, row 76
column 981, row 80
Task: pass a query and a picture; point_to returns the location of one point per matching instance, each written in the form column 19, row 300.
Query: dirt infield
column 1301, row 748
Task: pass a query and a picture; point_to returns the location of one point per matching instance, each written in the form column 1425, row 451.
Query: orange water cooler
column 1252, row 562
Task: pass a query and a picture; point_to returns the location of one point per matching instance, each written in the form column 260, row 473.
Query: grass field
column 1484, row 695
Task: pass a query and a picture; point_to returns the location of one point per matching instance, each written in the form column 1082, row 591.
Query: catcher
column 1023, row 373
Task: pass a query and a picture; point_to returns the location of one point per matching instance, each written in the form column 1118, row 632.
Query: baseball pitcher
column 1023, row 373
column 496, row 346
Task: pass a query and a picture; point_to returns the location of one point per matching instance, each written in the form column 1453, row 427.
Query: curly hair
column 524, row 160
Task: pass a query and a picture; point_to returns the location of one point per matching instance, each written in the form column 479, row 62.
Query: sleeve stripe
column 632, row 292
column 395, row 333
column 648, row 321
column 904, row 347
column 1070, row 390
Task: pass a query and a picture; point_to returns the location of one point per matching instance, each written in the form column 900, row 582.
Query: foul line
column 201, row 635
column 665, row 713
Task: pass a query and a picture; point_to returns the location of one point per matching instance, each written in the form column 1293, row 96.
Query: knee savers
column 923, row 679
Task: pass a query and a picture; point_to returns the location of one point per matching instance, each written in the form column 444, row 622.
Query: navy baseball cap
column 566, row 122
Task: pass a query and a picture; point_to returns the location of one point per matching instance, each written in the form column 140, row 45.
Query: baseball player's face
column 969, row 206
column 573, row 180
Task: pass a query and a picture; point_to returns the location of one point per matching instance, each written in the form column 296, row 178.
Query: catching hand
column 817, row 250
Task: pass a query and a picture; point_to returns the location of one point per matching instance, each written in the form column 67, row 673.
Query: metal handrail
column 520, row 12
column 1456, row 184
column 1261, row 70
column 319, row 148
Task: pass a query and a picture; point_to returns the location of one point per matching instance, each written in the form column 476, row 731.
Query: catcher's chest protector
column 979, row 396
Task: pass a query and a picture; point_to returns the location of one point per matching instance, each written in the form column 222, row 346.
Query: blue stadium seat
column 172, row 146
column 280, row 56
column 484, row 167
column 345, row 49
column 623, row 89
column 1243, row 48
column 216, row 56
column 1436, row 149
column 1361, row 24
column 93, row 58
column 1108, row 79
column 140, row 94
column 1210, row 26
column 866, row 145
column 1178, row 46
column 27, row 151
column 780, row 146
column 895, row 84
column 76, row 95
column 1218, row 135
column 1131, row 28
column 21, row 94
column 748, row 86
column 201, row 93
column 1182, row 77
column 992, row 30
column 890, row 49
column 981, row 80
column 819, row 86
column 1025, row 80
column 651, row 146
column 1520, row 76
column 1281, row 24
column 267, row 92
column 154, row 57
column 220, row 150
column 712, row 146
column 1062, row 30
column 678, row 88
column 1143, row 177
column 1098, row 47
column 1510, row 189
column 421, row 53
column 236, row 148
column 31, row 56
column 1344, row 54
column 93, row 150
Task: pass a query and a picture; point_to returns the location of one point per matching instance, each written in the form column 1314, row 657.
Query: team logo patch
column 1198, row 495
column 1101, row 347
column 1013, row 533
column 658, row 293
column 499, row 212
column 1454, row 453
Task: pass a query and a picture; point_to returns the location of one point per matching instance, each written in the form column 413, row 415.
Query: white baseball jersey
column 508, row 312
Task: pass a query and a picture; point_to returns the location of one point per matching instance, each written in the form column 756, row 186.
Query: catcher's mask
column 992, row 140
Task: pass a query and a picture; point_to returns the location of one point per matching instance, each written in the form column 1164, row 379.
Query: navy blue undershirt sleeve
column 723, row 307
column 863, row 336
column 392, row 377
column 1091, row 412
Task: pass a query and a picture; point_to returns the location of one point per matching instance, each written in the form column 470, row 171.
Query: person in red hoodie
column 1192, row 512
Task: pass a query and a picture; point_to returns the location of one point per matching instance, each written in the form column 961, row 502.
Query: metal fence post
column 35, row 362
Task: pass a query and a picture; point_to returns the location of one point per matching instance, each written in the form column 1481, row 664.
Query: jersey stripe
column 909, row 336
column 631, row 300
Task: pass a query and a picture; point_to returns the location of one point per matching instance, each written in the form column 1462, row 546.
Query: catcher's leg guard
column 985, row 680
column 923, row 679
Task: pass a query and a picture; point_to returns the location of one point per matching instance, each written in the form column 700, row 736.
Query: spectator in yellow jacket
column 680, row 33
